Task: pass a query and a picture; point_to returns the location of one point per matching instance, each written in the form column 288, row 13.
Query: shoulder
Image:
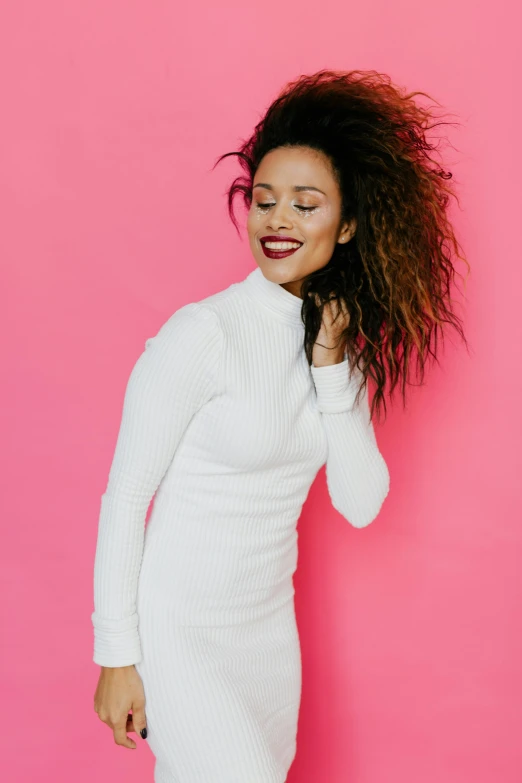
column 185, row 353
column 189, row 338
column 190, row 323
column 198, row 330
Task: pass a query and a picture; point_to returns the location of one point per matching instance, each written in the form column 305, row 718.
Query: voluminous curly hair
column 395, row 276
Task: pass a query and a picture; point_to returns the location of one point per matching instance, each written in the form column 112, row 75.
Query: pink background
column 112, row 117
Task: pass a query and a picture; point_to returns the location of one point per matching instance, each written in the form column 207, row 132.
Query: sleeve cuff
column 116, row 642
column 335, row 388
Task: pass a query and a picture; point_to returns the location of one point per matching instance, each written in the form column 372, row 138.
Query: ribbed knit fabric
column 227, row 425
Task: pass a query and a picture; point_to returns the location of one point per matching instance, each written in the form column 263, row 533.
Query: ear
column 347, row 231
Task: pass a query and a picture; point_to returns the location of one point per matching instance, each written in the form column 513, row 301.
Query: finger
column 346, row 309
column 139, row 720
column 120, row 737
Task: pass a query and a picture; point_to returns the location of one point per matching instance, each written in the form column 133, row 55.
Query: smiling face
column 296, row 196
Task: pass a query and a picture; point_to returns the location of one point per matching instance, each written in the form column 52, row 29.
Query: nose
column 280, row 217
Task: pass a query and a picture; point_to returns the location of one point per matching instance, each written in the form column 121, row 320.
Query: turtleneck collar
column 282, row 304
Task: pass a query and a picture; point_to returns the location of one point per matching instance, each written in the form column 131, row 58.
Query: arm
column 173, row 377
column 357, row 476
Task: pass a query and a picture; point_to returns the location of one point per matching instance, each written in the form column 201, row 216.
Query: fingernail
column 143, row 733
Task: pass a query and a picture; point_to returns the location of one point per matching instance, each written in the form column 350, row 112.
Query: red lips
column 276, row 254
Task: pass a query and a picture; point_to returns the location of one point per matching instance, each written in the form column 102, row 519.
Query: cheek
column 249, row 224
column 253, row 228
column 321, row 230
column 252, row 220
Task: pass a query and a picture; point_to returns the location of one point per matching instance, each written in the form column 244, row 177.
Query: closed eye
column 297, row 206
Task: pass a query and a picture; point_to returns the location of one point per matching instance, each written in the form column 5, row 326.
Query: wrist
column 324, row 356
column 336, row 387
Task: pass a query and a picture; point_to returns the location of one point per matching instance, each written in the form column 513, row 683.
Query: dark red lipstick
column 271, row 253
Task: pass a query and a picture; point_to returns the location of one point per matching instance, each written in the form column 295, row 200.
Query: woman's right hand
column 119, row 690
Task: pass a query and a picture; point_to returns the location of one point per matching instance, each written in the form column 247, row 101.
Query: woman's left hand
column 329, row 347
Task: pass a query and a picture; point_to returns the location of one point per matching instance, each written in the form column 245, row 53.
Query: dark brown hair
column 396, row 274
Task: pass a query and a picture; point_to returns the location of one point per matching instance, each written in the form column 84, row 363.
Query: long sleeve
column 357, row 476
column 173, row 377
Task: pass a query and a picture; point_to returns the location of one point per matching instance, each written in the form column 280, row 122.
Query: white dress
column 223, row 416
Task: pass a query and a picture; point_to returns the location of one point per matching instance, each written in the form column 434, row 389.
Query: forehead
column 289, row 166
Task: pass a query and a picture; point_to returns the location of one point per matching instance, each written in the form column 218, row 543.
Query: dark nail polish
column 143, row 733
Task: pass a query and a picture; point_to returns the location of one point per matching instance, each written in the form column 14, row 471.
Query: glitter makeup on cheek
column 308, row 213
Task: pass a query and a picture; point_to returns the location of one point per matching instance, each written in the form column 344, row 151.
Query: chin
column 275, row 272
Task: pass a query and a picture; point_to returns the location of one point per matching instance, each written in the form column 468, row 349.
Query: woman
column 234, row 406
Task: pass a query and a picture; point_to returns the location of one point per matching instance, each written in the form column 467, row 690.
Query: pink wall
column 112, row 116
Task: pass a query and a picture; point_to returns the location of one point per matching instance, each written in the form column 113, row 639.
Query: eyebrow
column 296, row 188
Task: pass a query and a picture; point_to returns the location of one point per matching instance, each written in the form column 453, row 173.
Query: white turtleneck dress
column 227, row 425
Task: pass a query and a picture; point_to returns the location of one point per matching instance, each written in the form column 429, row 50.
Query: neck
column 294, row 288
column 283, row 304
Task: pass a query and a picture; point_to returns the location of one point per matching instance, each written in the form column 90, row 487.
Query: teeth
column 281, row 245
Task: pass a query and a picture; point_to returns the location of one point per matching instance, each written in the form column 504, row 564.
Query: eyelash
column 304, row 209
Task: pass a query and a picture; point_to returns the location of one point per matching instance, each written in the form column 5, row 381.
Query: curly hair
column 395, row 275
